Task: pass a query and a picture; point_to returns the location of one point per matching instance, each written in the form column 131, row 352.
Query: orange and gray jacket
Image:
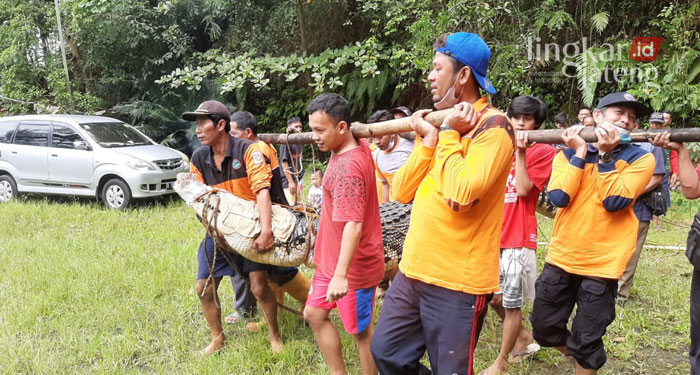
column 595, row 230
column 246, row 169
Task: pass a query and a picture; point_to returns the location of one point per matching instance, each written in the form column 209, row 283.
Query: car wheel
column 8, row 188
column 116, row 194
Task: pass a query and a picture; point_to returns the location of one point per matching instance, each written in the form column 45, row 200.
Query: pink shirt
column 350, row 194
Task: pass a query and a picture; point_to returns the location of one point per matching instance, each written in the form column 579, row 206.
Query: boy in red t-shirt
column 349, row 253
column 532, row 166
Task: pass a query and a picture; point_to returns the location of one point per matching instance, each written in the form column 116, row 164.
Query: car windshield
column 115, row 134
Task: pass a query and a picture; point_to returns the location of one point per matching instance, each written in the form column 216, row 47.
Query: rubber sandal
column 233, row 318
column 529, row 350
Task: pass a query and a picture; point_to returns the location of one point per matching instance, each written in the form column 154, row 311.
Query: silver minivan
column 84, row 156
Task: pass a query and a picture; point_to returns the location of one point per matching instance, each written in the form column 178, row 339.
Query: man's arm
column 532, row 168
column 265, row 240
column 523, row 184
column 195, row 170
column 338, row 286
column 409, row 177
column 687, row 174
column 659, row 170
column 617, row 189
column 260, row 179
column 655, row 181
column 466, row 178
column 287, row 173
column 384, row 187
column 566, row 174
column 286, row 169
column 385, row 191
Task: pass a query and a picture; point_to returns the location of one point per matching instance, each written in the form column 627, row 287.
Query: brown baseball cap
column 210, row 107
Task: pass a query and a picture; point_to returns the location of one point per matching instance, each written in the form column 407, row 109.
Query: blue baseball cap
column 472, row 51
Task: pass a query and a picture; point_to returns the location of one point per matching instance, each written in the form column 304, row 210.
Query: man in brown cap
column 238, row 166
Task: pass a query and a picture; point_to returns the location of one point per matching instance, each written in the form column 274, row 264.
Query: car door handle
column 14, row 152
column 54, row 155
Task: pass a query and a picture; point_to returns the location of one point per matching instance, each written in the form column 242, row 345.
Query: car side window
column 7, row 129
column 35, row 134
column 63, row 136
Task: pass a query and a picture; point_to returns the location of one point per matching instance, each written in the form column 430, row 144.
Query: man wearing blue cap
column 595, row 232
column 455, row 178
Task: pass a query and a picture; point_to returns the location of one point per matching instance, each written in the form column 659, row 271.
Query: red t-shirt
column 673, row 160
column 519, row 221
column 350, row 194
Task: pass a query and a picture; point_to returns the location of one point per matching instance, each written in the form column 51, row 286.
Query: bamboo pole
column 403, row 125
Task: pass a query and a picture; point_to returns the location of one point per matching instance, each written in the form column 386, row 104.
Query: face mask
column 451, row 95
column 624, row 133
column 391, row 143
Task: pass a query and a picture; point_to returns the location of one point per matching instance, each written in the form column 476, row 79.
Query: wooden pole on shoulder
column 403, row 125
column 361, row 130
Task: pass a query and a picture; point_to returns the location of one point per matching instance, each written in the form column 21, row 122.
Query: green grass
column 91, row 291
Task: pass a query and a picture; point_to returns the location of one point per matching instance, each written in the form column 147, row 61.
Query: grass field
column 90, row 291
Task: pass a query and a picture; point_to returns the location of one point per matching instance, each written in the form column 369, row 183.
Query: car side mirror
column 80, row 145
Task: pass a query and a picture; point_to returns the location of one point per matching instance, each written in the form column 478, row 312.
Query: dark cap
column 401, row 109
column 472, row 51
column 624, row 99
column 656, row 117
column 210, row 107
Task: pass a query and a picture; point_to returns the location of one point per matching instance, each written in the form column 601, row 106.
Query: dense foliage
column 153, row 58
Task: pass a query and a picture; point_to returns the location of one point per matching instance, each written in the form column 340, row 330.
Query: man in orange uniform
column 238, row 166
column 455, row 178
column 595, row 232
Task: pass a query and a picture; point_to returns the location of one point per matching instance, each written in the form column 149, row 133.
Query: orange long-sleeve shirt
column 453, row 240
column 595, row 230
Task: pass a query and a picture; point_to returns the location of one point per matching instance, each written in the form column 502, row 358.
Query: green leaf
column 600, row 21
column 694, row 72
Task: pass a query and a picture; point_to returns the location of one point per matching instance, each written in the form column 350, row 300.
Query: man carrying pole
column 595, row 232
column 455, row 178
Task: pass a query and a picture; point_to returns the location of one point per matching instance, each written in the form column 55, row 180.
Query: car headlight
column 185, row 161
column 139, row 165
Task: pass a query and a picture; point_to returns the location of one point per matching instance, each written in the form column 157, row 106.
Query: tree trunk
column 304, row 43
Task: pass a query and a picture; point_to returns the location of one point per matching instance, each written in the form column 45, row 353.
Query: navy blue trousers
column 416, row 317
